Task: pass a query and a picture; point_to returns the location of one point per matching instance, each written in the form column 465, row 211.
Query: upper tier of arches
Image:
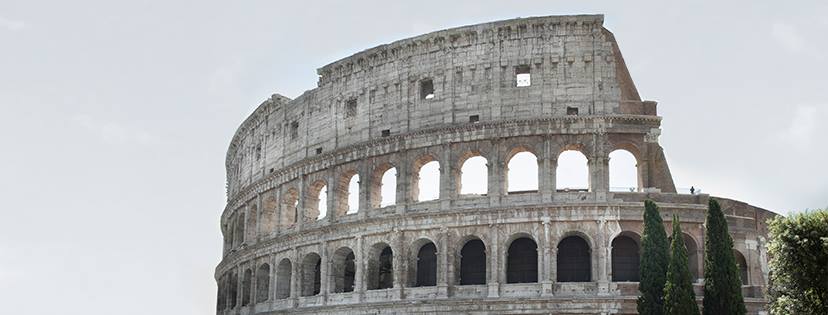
column 503, row 71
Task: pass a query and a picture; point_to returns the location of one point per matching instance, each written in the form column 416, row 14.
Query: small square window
column 572, row 111
column 522, row 76
column 351, row 108
column 474, row 118
column 386, row 132
column 426, row 89
column 318, row 151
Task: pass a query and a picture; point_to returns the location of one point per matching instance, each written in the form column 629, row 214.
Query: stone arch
column 423, row 263
column 742, row 265
column 572, row 172
column 316, row 203
column 522, row 259
column 473, row 263
column 343, row 270
column 474, row 168
column 426, row 168
column 347, row 193
column 691, row 244
column 574, row 260
column 262, row 283
column 311, row 274
column 522, row 170
column 270, row 205
column 283, row 278
column 247, row 286
column 380, row 267
column 626, row 257
column 383, row 181
column 624, row 172
column 290, row 207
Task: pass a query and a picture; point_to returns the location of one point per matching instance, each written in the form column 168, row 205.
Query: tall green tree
column 679, row 298
column 722, row 282
column 654, row 261
column 798, row 249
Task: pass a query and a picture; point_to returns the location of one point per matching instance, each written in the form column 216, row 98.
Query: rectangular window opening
column 474, row 118
column 351, row 108
column 426, row 89
column 571, row 110
column 294, row 130
column 386, row 132
column 522, row 76
column 318, row 151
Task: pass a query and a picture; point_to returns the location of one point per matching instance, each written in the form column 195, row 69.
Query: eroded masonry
column 307, row 229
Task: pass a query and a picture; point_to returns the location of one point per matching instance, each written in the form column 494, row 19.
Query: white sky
column 115, row 117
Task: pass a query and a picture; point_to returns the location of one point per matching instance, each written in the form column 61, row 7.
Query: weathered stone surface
column 447, row 96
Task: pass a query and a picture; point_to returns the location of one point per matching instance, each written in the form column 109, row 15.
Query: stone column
column 494, row 257
column 300, row 207
column 295, row 277
column 402, row 199
column 442, row 271
column 324, row 270
column 546, row 172
column 495, row 176
column 399, row 263
column 602, row 254
column 364, row 187
column 359, row 273
column 333, row 185
column 259, row 211
column 599, row 173
column 448, row 186
column 546, row 268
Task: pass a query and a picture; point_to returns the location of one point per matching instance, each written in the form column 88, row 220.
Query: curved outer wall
column 369, row 114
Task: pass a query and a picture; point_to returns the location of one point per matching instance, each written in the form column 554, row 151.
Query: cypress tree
column 654, row 261
column 679, row 298
column 722, row 282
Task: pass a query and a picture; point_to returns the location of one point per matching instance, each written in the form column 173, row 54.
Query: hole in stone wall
column 574, row 263
column 386, row 133
column 311, row 275
column 294, row 130
column 426, row 89
column 350, row 108
column 522, row 261
column 625, row 259
column 572, row 172
column 262, row 283
column 353, row 194
column 474, row 118
column 571, row 110
column 623, row 171
column 247, row 287
column 322, row 203
column 523, row 76
column 474, row 175
column 473, row 263
column 522, row 172
column 389, row 188
column 283, row 278
column 429, row 181
column 426, row 266
column 381, row 268
column 318, row 151
column 741, row 263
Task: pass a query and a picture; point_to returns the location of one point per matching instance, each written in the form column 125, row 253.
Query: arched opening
column 572, row 173
column 316, row 206
column 623, row 171
column 283, row 278
column 426, row 273
column 344, row 270
column 381, row 267
column 625, row 259
column 234, row 290
column 574, row 263
column 262, row 283
column 353, row 194
column 474, row 176
column 384, row 186
column 741, row 263
column 473, row 263
column 311, row 275
column 238, row 237
column 427, row 182
column 247, row 287
column 269, row 207
column 522, row 261
column 692, row 256
column 290, row 208
column 522, row 172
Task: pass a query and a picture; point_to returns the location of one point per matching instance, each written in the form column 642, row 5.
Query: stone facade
column 448, row 96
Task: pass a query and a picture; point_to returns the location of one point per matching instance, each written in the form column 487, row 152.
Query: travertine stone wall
column 369, row 114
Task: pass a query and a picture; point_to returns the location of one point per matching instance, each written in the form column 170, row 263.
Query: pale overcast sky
column 116, row 116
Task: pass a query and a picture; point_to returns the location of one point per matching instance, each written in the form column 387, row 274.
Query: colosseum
column 308, row 230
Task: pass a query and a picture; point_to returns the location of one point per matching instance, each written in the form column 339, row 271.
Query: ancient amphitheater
column 307, row 230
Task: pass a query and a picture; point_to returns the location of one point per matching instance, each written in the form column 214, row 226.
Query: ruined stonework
column 542, row 85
